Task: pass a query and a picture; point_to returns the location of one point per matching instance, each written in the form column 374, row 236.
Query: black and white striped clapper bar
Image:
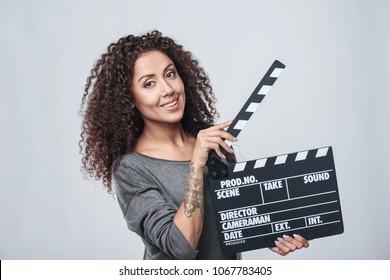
column 257, row 201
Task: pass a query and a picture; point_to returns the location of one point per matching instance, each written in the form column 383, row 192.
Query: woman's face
column 157, row 89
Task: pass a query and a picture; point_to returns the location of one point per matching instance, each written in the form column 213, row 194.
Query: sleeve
column 148, row 214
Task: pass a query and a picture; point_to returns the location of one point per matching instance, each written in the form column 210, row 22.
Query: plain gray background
column 334, row 92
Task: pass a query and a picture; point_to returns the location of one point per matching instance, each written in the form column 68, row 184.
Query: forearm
column 189, row 217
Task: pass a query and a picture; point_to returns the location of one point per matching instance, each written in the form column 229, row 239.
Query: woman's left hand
column 289, row 244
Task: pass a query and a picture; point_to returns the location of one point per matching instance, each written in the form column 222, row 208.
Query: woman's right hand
column 189, row 217
column 212, row 138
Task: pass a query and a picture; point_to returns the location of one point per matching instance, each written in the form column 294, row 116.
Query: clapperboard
column 259, row 200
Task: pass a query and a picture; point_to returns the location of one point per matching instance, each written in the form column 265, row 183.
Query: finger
column 297, row 243
column 217, row 149
column 227, row 148
column 219, row 142
column 223, row 125
column 291, row 247
column 227, row 136
column 301, row 239
column 283, row 250
column 277, row 250
column 219, row 133
column 224, row 145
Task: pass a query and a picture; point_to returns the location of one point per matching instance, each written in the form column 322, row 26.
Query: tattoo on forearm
column 193, row 193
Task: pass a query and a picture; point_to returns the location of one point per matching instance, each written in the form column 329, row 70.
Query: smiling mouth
column 168, row 105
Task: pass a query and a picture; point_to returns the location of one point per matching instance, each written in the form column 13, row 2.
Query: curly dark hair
column 111, row 124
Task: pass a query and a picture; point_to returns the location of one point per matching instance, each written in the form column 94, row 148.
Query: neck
column 165, row 141
column 165, row 133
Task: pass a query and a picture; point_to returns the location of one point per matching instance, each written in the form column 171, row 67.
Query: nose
column 166, row 88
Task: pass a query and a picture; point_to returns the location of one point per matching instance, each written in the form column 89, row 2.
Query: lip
column 170, row 101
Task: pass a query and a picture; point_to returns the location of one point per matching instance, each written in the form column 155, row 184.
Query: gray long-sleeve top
column 149, row 192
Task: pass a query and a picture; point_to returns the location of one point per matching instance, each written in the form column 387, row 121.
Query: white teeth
column 170, row 104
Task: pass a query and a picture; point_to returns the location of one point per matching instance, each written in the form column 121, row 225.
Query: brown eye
column 148, row 84
column 171, row 74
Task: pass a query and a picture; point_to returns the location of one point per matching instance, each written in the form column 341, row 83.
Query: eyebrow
column 152, row 75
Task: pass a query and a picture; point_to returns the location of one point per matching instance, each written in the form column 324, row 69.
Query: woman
column 148, row 122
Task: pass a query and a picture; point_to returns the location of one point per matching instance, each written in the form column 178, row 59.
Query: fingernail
column 285, row 236
column 280, row 239
column 276, row 242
